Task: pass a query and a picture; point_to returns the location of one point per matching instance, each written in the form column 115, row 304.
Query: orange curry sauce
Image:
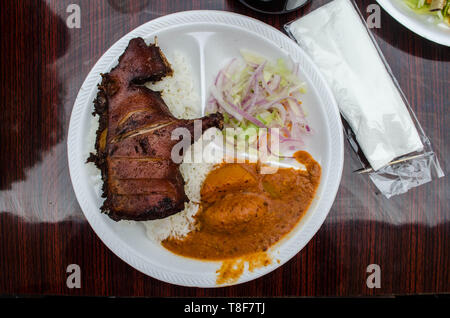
column 243, row 212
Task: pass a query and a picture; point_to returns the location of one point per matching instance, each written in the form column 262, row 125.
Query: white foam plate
column 209, row 39
column 421, row 24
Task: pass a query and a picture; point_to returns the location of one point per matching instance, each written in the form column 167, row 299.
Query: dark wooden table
column 43, row 230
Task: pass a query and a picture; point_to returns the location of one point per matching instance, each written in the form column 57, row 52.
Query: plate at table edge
column 127, row 240
column 416, row 23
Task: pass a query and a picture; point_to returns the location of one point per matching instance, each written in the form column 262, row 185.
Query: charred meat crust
column 164, row 208
column 133, row 141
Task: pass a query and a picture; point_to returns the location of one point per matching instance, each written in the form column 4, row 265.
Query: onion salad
column 253, row 92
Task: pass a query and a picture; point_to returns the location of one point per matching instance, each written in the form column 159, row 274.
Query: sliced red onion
column 270, row 104
column 252, row 101
column 261, row 79
column 245, row 115
column 281, row 110
column 225, row 105
column 275, row 82
column 253, row 79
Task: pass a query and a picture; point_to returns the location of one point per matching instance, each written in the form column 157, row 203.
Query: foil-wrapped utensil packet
column 383, row 129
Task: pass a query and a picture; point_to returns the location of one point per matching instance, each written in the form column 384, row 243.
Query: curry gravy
column 244, row 212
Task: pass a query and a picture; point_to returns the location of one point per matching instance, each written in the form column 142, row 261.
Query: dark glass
column 274, row 6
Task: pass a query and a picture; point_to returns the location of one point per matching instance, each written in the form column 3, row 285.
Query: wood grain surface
column 43, row 230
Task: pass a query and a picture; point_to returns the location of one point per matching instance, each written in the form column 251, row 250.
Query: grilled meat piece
column 141, row 182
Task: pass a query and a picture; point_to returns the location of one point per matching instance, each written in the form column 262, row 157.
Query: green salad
column 439, row 8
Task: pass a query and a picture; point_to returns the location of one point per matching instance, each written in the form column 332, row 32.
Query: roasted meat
column 141, row 182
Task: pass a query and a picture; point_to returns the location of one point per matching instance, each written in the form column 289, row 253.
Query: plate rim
column 414, row 26
column 105, row 234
